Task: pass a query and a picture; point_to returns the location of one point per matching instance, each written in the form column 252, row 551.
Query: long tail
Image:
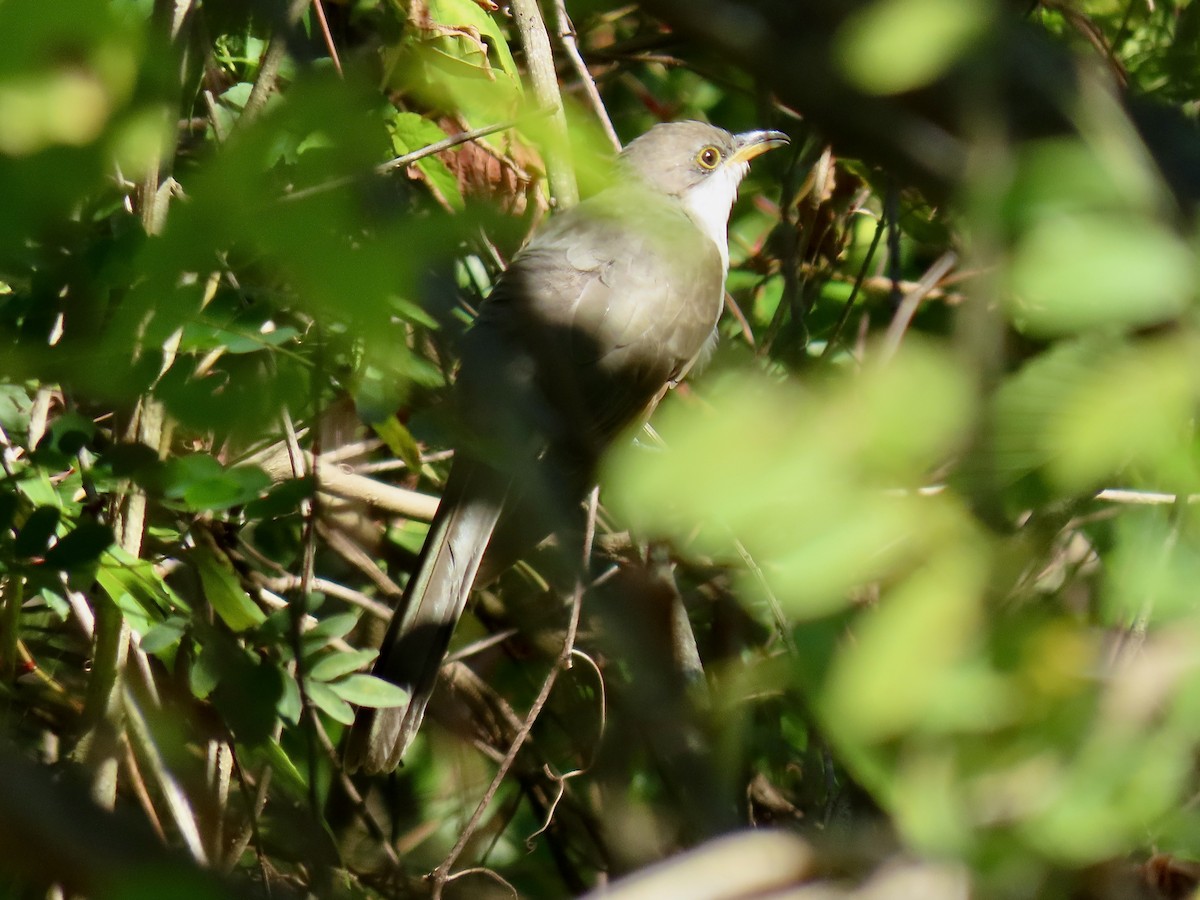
column 433, row 601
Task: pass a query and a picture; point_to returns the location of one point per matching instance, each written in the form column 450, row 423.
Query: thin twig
column 1144, row 498
column 399, row 465
column 740, row 317
column 333, row 54
column 360, row 805
column 482, row 870
column 12, row 598
column 781, row 622
column 286, row 583
column 133, row 777
column 401, row 162
column 359, row 558
column 799, row 237
column 908, row 306
column 560, row 781
column 570, row 43
column 104, row 709
column 177, row 802
column 831, row 341
column 250, row 831
column 589, row 538
column 299, row 613
column 480, row 645
column 560, row 784
column 401, row 501
column 218, row 762
column 268, row 69
column 441, row 875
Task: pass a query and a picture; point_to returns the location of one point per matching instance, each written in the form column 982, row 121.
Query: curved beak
column 754, row 143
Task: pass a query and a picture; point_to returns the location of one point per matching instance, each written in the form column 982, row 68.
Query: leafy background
column 929, row 511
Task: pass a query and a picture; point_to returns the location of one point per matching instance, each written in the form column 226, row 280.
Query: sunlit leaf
column 1076, row 272
column 329, row 629
column 335, row 665
column 923, row 628
column 898, row 45
column 327, row 701
column 225, row 592
column 163, row 635
column 817, row 499
column 1136, row 406
column 367, row 690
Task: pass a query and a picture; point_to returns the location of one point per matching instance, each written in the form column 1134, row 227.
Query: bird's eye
column 708, row 157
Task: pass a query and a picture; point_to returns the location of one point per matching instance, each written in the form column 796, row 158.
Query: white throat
column 709, row 204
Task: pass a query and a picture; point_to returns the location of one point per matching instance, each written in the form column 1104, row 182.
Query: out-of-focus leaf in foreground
column 817, row 485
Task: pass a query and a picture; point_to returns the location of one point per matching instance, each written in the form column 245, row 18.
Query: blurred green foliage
column 936, row 538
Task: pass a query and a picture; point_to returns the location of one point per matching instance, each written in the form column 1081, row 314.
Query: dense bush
column 929, row 510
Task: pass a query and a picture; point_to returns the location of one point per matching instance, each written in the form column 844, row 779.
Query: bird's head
column 699, row 164
column 679, row 157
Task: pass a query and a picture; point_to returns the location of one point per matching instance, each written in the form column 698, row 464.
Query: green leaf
column 367, row 690
column 1026, row 404
column 35, row 533
column 400, row 441
column 164, row 635
column 204, row 674
column 335, row 665
column 329, row 629
column 233, row 487
column 248, row 696
column 225, row 592
column 137, row 589
column 1135, row 407
column 324, row 699
column 292, row 778
column 412, row 132
column 463, row 19
column 231, row 339
column 204, row 484
column 923, row 628
column 81, row 546
column 182, row 472
column 281, row 500
column 891, row 46
column 69, row 433
column 812, row 500
column 289, row 706
column 15, row 404
column 1072, row 273
column 39, row 489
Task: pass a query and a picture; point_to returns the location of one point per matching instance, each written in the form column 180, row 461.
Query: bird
column 610, row 304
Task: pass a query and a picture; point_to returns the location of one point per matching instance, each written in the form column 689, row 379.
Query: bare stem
column 534, row 38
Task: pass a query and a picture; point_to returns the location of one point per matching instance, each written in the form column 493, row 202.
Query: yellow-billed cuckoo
column 610, row 304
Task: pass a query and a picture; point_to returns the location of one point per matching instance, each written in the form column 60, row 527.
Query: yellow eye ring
column 708, row 158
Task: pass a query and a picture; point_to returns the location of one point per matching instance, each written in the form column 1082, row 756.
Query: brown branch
column 268, row 68
column 402, row 501
column 333, row 54
column 285, row 583
column 540, row 58
column 908, row 306
column 570, row 44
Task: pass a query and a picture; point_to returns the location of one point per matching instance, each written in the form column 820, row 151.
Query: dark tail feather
column 433, row 601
